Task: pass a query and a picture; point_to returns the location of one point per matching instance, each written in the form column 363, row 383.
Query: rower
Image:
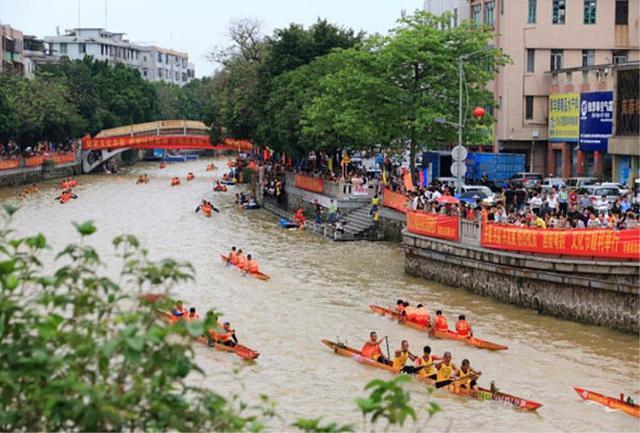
column 441, row 322
column 424, row 365
column 299, row 217
column 225, row 336
column 422, row 316
column 193, row 315
column 232, row 258
column 242, row 260
column 252, row 266
column 446, row 369
column 400, row 307
column 409, row 311
column 179, row 310
column 371, row 349
column 401, row 357
column 470, row 374
column 463, row 328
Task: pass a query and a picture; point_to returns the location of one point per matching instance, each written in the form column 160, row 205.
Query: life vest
column 400, row 361
column 466, row 382
column 444, row 372
column 189, row 318
column 252, row 266
column 221, row 335
column 242, row 261
column 441, row 323
column 190, row 176
column 64, row 185
column 371, row 350
column 421, row 316
column 73, row 183
column 399, row 309
column 233, row 257
column 410, row 312
column 462, row 327
column 65, row 197
column 163, row 165
column 206, row 209
column 428, row 370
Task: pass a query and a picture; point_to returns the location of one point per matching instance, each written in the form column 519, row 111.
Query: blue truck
column 498, row 166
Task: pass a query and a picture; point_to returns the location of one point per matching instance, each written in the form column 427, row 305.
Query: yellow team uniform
column 428, row 370
column 400, row 361
column 445, row 372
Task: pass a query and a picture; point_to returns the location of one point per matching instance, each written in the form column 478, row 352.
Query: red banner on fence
column 63, row 158
column 408, row 182
column 433, row 225
column 34, row 161
column 9, row 163
column 618, row 244
column 309, row 183
column 394, row 200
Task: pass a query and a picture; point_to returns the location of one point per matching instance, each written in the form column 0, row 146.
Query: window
column 184, row 76
column 590, row 11
column 63, row 48
column 144, row 72
column 144, row 58
column 531, row 60
column 489, row 13
column 455, row 17
column 476, row 11
column 532, row 12
column 556, row 60
column 528, row 107
column 159, row 73
column 622, row 12
column 569, row 77
column 588, row 57
column 82, row 48
column 559, row 9
column 159, row 57
column 620, row 56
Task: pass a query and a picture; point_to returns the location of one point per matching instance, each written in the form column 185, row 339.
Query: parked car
column 579, row 182
column 526, row 180
column 595, row 192
column 484, row 193
column 552, row 182
column 623, row 188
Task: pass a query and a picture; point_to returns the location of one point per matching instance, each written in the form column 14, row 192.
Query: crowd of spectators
column 11, row 150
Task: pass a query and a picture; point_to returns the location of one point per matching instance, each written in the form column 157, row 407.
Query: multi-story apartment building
column 544, row 37
column 11, row 49
column 154, row 63
column 458, row 8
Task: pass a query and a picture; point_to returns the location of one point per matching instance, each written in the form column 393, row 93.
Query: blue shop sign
column 596, row 121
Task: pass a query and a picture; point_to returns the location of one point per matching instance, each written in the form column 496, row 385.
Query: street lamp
column 460, row 124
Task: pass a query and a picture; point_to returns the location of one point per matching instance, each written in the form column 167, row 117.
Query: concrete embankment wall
column 595, row 292
column 24, row 176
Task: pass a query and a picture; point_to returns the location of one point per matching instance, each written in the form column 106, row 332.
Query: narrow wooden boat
column 610, row 402
column 242, row 351
column 446, row 335
column 480, row 394
column 259, row 275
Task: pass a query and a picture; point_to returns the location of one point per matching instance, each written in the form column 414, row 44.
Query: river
column 321, row 289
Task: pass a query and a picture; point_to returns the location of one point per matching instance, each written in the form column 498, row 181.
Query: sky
column 195, row 26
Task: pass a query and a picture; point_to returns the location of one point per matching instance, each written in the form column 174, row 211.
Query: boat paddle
column 451, row 381
column 386, row 339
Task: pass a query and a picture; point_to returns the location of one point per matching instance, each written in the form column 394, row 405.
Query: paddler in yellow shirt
column 424, row 365
column 402, row 356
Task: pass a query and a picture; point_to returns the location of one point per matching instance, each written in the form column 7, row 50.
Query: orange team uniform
column 242, row 261
column 421, row 316
column 189, row 318
column 410, row 313
column 252, row 267
column 399, row 309
column 371, row 350
column 233, row 257
column 441, row 323
column 220, row 334
column 463, row 328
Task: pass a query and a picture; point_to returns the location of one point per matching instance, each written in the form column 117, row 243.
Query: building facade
column 11, row 50
column 153, row 63
column 543, row 38
column 458, row 8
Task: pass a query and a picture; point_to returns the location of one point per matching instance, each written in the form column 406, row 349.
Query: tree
column 8, row 119
column 409, row 78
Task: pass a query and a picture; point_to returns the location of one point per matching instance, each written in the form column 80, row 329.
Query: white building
column 459, row 9
column 154, row 63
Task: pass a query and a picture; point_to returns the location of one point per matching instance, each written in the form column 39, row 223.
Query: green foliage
column 83, row 352
column 314, row 425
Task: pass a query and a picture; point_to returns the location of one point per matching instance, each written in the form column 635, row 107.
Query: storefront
column 624, row 146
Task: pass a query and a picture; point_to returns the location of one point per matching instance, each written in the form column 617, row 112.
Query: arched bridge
column 164, row 134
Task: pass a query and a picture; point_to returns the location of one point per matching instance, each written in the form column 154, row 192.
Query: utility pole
column 460, row 126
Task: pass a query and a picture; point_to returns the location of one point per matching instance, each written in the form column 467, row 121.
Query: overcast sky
column 195, row 26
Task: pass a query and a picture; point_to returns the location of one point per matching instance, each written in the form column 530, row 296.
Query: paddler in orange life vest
column 232, row 258
column 299, row 217
column 441, row 322
column 409, row 312
column 422, row 316
column 252, row 266
column 400, row 307
column 242, row 260
column 463, row 328
column 192, row 315
column 226, row 335
column 371, row 349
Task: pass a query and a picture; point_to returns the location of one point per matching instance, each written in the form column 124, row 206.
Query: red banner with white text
column 616, row 244
column 433, row 225
column 394, row 200
column 309, row 183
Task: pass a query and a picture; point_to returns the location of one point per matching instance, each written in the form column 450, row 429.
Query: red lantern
column 479, row 112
